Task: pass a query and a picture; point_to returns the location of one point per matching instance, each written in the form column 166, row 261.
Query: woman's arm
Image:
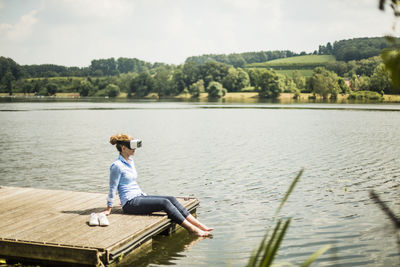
column 115, row 175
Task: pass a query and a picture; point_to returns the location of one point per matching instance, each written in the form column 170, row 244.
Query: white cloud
column 97, row 10
column 21, row 30
column 73, row 32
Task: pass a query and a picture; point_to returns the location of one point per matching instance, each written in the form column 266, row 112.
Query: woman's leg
column 176, row 203
column 185, row 213
column 149, row 204
column 197, row 223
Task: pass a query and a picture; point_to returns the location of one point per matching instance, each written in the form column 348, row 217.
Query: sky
column 74, row 32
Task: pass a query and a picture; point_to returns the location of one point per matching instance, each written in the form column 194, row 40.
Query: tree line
column 204, row 74
column 213, row 78
column 344, row 50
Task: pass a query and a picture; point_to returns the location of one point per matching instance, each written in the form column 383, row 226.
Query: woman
column 123, row 178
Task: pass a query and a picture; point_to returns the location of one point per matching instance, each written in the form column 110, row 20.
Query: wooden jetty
column 51, row 226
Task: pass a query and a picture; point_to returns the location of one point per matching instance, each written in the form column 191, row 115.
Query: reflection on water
column 164, row 250
column 238, row 160
column 229, row 100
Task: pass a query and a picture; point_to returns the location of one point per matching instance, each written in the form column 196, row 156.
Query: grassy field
column 303, row 59
column 304, row 64
column 299, row 60
column 289, row 73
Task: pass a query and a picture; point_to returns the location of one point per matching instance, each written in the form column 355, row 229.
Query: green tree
column 354, row 83
column 27, row 88
column 230, row 80
column 268, row 84
column 236, row 79
column 125, row 80
column 364, row 84
column 51, row 89
column 289, row 85
column 339, row 67
column 9, row 65
column 197, row 88
column 142, row 85
column 380, row 80
column 191, row 73
column 125, row 65
column 344, row 89
column 243, row 80
column 178, row 81
column 215, row 90
column 325, row 82
column 7, row 81
column 85, row 88
column 162, row 82
column 213, row 71
column 253, row 76
column 105, row 66
column 299, row 80
column 35, row 86
column 366, row 66
column 112, row 90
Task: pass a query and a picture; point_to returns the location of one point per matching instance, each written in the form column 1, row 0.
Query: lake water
column 238, row 160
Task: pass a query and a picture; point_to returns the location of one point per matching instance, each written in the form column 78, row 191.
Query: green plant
column 365, row 95
column 269, row 246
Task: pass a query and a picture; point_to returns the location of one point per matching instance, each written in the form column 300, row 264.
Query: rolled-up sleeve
column 115, row 175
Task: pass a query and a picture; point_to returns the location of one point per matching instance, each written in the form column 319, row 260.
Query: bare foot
column 205, row 228
column 202, row 233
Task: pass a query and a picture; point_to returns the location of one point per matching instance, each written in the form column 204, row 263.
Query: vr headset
column 133, row 144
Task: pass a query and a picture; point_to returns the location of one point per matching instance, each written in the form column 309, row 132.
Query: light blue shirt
column 123, row 177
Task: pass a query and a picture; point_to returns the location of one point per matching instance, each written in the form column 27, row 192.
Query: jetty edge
column 51, row 226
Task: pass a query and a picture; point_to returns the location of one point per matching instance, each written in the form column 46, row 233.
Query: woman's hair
column 115, row 139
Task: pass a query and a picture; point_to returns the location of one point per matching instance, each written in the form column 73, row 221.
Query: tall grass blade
column 254, row 258
column 267, row 261
column 315, row 255
column 267, row 250
column 289, row 191
column 267, row 246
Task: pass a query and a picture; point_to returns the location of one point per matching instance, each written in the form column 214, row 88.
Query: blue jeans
column 142, row 205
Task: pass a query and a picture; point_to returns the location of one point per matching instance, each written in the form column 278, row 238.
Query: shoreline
column 231, row 97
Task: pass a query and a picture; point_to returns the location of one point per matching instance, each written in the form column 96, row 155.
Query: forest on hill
column 341, row 67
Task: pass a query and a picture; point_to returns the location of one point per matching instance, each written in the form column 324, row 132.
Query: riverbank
column 247, row 97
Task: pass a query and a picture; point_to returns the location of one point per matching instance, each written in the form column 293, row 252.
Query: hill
column 304, row 64
column 358, row 48
column 307, row 60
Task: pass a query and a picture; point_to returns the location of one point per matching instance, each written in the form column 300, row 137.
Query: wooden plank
column 58, row 219
column 27, row 214
column 8, row 194
column 29, row 217
column 48, row 227
column 12, row 249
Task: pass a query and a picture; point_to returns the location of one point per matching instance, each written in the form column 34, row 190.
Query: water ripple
column 239, row 161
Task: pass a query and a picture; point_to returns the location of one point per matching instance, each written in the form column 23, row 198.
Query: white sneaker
column 94, row 219
column 103, row 220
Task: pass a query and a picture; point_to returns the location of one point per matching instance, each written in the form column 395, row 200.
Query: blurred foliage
column 391, row 55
